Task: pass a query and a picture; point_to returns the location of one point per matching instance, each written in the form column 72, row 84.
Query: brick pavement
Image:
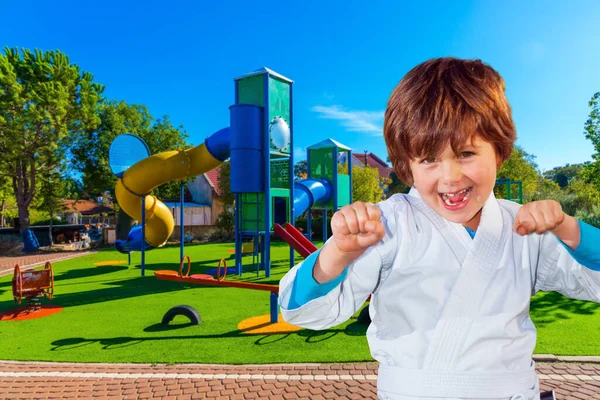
column 7, row 264
column 28, row 380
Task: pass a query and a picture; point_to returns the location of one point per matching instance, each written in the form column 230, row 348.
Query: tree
column 520, row 166
column 563, row 175
column 580, row 197
column 301, row 170
column 163, row 136
column 52, row 194
column 366, row 184
column 91, row 149
column 396, row 185
column 45, row 101
column 591, row 171
column 73, row 188
column 6, row 195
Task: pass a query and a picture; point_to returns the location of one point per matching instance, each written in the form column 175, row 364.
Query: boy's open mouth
column 456, row 198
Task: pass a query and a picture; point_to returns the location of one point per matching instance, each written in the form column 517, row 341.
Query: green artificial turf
column 112, row 314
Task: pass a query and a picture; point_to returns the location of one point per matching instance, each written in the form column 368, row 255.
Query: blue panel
column 125, row 151
column 247, row 169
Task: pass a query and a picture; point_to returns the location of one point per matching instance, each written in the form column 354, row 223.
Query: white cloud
column 370, row 122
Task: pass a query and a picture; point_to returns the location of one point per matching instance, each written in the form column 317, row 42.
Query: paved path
column 24, row 380
column 7, row 264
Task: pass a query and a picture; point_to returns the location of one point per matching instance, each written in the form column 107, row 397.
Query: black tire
column 188, row 311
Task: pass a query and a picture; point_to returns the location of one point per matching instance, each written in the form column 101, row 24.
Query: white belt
column 462, row 384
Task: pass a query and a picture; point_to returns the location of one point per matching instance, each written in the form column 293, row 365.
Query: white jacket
column 450, row 314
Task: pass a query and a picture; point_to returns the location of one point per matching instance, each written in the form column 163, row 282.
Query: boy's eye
column 428, row 160
column 466, row 154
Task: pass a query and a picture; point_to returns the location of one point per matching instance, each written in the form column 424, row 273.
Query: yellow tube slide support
column 152, row 172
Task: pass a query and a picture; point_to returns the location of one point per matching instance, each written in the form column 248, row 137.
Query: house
column 202, row 205
column 88, row 212
column 373, row 161
column 370, row 159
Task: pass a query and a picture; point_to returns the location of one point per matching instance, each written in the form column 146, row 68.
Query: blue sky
column 180, row 58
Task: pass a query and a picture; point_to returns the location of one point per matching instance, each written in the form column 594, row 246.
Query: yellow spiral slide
column 157, row 170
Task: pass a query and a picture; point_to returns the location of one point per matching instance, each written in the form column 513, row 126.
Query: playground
column 187, row 296
column 144, row 302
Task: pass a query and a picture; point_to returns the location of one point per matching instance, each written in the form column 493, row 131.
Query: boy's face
column 457, row 186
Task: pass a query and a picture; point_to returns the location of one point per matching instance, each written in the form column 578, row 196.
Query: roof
column 373, row 161
column 86, row 207
column 212, row 177
column 264, row 70
column 328, row 144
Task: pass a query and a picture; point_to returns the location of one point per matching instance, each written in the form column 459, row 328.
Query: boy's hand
column 356, row 227
column 539, row 216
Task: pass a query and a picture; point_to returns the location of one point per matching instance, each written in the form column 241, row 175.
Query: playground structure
column 507, row 184
column 258, row 143
column 32, row 285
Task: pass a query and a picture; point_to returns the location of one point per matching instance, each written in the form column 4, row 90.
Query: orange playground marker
column 262, row 325
column 21, row 314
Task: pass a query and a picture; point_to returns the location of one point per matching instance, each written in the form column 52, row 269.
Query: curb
column 551, row 358
column 546, row 358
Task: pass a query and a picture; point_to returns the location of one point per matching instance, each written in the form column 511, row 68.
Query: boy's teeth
column 446, row 197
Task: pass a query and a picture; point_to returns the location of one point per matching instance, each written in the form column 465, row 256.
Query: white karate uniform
column 450, row 314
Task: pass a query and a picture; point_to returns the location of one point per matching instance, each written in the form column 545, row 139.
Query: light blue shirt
column 306, row 288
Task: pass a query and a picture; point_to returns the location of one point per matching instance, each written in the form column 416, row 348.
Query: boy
column 451, row 269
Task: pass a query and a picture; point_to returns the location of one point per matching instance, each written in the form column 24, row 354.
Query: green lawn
column 112, row 314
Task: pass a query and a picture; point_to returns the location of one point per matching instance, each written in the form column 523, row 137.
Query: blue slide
column 134, row 241
column 310, row 193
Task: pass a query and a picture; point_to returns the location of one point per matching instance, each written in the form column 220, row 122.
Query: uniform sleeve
column 339, row 303
column 305, row 288
column 575, row 274
column 588, row 251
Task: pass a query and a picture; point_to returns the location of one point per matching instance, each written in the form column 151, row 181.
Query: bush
column 10, row 245
column 218, row 235
column 43, row 222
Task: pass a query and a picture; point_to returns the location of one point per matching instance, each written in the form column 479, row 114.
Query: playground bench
column 33, row 285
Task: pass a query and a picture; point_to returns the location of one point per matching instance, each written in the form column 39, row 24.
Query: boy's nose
column 451, row 173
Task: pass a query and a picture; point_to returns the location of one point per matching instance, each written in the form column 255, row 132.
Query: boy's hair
column 446, row 100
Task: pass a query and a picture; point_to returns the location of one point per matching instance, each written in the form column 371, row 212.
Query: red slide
column 295, row 239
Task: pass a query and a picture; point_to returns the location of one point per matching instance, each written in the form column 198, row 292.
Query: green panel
column 343, row 190
column 321, row 166
column 280, row 192
column 280, row 173
column 279, row 102
column 251, row 90
column 250, row 220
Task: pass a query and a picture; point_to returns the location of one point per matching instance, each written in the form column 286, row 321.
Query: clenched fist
column 538, row 216
column 356, row 227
